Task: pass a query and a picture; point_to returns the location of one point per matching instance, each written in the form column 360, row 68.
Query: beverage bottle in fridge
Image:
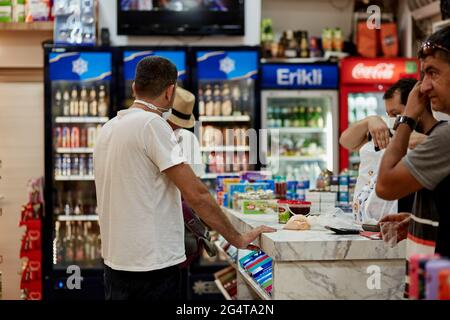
column 84, row 102
column 75, row 137
column 58, row 103
column 93, row 103
column 310, row 117
column 74, row 103
column 66, row 165
column 83, row 137
column 69, row 243
column 79, row 207
column 320, row 117
column 360, row 107
column 302, row 117
column 58, row 248
column 90, row 165
column 68, row 209
column 270, row 118
column 295, row 117
column 58, row 165
column 209, row 103
column 102, row 102
column 245, row 106
column 285, row 118
column 75, row 166
column 236, row 100
column 66, row 103
column 217, row 101
column 227, row 108
column 92, row 134
column 79, row 243
column 201, row 103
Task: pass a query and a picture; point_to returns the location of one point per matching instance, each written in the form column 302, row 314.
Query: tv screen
column 180, row 17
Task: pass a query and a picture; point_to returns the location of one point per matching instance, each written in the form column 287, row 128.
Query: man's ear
column 133, row 88
column 170, row 92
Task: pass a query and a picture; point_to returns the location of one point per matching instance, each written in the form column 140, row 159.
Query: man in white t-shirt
column 140, row 176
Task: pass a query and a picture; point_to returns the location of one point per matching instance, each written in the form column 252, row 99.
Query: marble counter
column 319, row 264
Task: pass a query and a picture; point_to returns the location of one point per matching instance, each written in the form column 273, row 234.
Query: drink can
column 90, row 166
column 58, row 137
column 75, row 137
column 75, row 166
column 82, row 165
column 66, row 137
column 58, row 165
column 83, row 138
column 92, row 132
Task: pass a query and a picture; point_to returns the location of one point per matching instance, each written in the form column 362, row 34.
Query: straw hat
column 183, row 106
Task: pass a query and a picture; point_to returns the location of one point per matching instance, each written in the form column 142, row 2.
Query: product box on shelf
column 258, row 206
column 235, row 188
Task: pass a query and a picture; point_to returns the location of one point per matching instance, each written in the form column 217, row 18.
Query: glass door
column 80, row 85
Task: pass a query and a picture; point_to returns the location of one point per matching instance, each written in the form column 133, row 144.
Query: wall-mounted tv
column 180, row 17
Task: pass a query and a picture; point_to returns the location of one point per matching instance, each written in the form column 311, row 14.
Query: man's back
column 140, row 209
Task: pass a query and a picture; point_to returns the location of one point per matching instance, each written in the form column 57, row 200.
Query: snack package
column 37, row 10
column 389, row 40
column 5, row 11
column 366, row 41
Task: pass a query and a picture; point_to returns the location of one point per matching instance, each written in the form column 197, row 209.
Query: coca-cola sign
column 380, row 71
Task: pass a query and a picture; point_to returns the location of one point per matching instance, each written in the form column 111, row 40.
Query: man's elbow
column 384, row 191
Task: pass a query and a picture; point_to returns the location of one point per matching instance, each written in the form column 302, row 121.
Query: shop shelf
column 22, row 26
column 75, row 178
column 92, row 217
column 297, row 158
column 254, row 285
column 225, row 148
column 299, row 130
column 74, row 150
column 327, row 56
column 81, row 119
column 212, row 175
column 228, row 258
column 224, row 118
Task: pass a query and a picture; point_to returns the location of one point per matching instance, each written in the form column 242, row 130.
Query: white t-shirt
column 191, row 150
column 141, row 221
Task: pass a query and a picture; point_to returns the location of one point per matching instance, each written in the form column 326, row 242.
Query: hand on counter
column 247, row 238
column 401, row 221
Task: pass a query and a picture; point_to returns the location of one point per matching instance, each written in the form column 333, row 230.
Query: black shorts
column 157, row 285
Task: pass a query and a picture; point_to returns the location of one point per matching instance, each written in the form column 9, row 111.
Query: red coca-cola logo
column 380, row 71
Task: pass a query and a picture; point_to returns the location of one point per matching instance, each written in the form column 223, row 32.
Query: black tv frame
column 167, row 23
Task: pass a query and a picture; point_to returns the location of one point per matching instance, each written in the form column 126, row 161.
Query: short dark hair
column 404, row 86
column 153, row 75
column 440, row 38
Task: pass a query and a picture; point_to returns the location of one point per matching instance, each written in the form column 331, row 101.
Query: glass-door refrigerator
column 79, row 88
column 363, row 83
column 300, row 114
column 226, row 83
column 130, row 57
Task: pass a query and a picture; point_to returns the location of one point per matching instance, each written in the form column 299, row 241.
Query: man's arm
column 198, row 198
column 354, row 137
column 394, row 179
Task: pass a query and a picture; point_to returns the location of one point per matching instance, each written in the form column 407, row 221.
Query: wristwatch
column 404, row 119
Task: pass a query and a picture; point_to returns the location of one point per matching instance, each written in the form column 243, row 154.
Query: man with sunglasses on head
column 425, row 170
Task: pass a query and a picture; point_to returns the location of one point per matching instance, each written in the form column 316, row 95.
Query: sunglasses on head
column 428, row 48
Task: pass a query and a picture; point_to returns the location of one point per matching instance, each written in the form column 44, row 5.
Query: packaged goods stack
column 31, row 244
